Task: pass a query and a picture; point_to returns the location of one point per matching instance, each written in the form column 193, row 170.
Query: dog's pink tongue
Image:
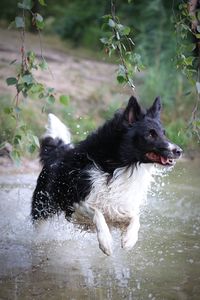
column 164, row 160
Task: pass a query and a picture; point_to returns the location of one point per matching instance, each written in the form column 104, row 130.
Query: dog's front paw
column 103, row 233
column 128, row 241
column 105, row 243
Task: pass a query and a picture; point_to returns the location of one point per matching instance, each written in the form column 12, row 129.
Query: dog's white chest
column 121, row 197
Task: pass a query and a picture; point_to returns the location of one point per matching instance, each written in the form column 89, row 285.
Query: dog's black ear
column 155, row 109
column 133, row 112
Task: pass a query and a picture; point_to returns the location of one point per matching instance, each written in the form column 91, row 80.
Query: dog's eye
column 152, row 133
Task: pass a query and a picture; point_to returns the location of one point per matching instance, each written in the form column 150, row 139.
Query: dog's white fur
column 56, row 129
column 117, row 201
column 110, row 201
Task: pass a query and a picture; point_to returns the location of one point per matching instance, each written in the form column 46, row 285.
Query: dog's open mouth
column 157, row 158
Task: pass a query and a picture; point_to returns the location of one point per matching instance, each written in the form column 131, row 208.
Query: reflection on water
column 59, row 262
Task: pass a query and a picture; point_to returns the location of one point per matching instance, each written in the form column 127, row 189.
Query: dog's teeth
column 171, row 161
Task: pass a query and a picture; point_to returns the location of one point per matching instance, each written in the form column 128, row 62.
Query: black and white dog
column 105, row 177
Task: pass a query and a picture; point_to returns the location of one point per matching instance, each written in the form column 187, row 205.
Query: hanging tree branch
column 119, row 48
column 187, row 24
column 25, row 82
column 195, row 28
column 118, row 41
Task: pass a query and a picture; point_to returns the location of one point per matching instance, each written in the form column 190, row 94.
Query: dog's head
column 145, row 140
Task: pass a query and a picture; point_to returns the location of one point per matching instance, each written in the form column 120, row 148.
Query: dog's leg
column 103, row 233
column 130, row 236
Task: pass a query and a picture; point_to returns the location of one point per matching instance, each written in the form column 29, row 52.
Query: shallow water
column 59, row 262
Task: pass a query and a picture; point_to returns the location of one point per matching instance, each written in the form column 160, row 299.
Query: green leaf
column 15, row 155
column 28, row 79
column 39, row 21
column 8, row 110
column 11, row 81
column 43, row 65
column 111, row 23
column 31, row 148
column 126, row 30
column 64, row 99
column 189, row 47
column 23, row 128
column 107, row 17
column 51, row 99
column 31, row 57
column 38, row 17
column 121, row 70
column 42, row 95
column 121, row 79
column 189, row 60
column 17, row 139
column 196, row 123
column 26, row 4
column 42, row 2
column 185, row 27
column 104, row 40
column 36, row 88
column 20, row 87
column 19, row 22
column 50, row 90
column 2, row 145
column 36, row 140
column 105, row 27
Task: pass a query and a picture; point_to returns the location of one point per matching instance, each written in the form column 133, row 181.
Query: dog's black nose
column 177, row 151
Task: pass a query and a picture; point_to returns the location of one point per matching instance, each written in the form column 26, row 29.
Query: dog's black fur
column 132, row 136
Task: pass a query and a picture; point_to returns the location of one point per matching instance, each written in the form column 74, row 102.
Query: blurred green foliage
column 80, row 22
column 152, row 24
column 32, row 123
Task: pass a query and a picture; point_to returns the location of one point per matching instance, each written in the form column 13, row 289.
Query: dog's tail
column 56, row 139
